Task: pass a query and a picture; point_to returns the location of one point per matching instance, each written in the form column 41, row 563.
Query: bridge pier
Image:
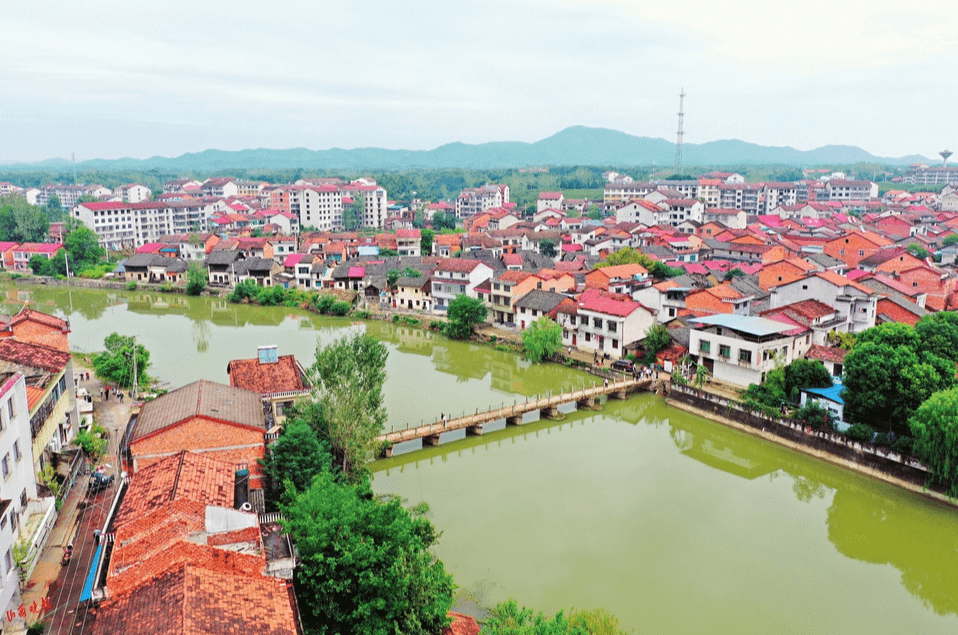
column 387, row 453
column 474, row 431
column 430, row 439
column 619, row 394
column 514, row 421
column 552, row 413
column 587, row 404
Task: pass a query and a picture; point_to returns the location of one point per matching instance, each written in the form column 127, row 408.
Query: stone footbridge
column 548, row 407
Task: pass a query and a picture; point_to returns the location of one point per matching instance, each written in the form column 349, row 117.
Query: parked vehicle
column 625, row 365
column 100, row 481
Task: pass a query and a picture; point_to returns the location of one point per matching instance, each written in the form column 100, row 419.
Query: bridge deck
column 515, row 410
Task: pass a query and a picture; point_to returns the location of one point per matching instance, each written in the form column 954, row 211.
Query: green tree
column 365, row 563
column 442, row 220
column 629, row 256
column 353, row 213
column 935, row 430
column 196, row 278
column 594, row 212
column 805, row 373
column 348, row 377
column 950, row 240
column 508, row 619
column 548, row 248
column 657, row 339
column 386, row 252
column 53, row 208
column 463, row 314
column 938, row 334
column 543, row 338
column 21, row 222
column 731, row 274
column 87, row 198
column 917, row 250
column 295, row 458
column 425, row 241
column 83, row 246
column 40, row 265
column 93, row 442
column 115, row 365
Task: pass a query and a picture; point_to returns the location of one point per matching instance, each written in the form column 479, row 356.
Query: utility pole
column 681, row 133
column 133, row 394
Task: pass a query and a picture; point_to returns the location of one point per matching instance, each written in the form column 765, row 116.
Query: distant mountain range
column 577, row 145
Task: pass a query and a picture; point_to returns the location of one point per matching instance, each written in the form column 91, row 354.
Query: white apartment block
column 376, row 206
column 68, row 194
column 475, row 200
column 18, row 488
column 133, row 193
column 124, row 225
column 843, row 190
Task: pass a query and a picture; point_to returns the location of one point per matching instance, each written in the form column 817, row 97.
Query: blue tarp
column 88, row 585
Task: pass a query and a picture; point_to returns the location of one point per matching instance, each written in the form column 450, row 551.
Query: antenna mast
column 681, row 133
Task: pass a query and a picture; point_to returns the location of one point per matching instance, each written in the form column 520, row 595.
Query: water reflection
column 916, row 536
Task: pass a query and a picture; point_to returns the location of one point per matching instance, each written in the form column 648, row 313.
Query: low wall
column 865, row 458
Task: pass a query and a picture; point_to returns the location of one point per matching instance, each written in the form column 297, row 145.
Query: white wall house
column 609, row 323
column 740, row 349
column 455, row 276
column 851, row 300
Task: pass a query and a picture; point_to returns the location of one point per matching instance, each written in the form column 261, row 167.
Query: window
column 16, row 450
column 725, row 350
column 5, row 466
column 705, row 346
column 745, row 356
column 861, row 252
column 12, row 408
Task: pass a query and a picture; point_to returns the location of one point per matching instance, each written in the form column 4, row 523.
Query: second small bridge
column 548, row 407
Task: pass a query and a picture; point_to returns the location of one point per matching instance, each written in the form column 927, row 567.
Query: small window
column 5, row 466
column 725, row 351
column 16, row 451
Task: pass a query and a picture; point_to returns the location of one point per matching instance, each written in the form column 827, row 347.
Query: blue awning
column 88, row 585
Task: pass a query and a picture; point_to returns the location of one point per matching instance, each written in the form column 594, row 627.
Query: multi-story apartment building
column 749, row 197
column 779, row 194
column 623, row 192
column 844, row 190
column 475, row 200
column 456, row 276
column 18, row 488
column 924, row 175
column 319, row 207
column 220, row 187
column 124, row 225
column 69, row 194
column 375, row 205
column 132, row 193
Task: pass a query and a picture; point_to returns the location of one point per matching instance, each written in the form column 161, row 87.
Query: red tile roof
column 607, row 303
column 34, row 355
column 826, row 353
column 185, row 476
column 461, row 625
column 27, row 314
column 194, row 600
column 281, row 376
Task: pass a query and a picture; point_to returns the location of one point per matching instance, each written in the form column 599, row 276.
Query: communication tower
column 681, row 133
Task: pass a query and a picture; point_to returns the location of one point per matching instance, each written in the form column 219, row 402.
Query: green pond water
column 674, row 523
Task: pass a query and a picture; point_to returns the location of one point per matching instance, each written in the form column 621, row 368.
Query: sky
column 110, row 79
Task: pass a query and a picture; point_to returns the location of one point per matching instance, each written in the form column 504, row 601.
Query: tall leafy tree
column 365, row 563
column 196, row 278
column 935, row 430
column 349, row 375
column 295, row 458
column 116, row 364
column 83, row 246
column 805, row 373
column 353, row 213
column 464, row 313
column 425, row 241
column 507, row 618
column 542, row 338
column 548, row 248
column 938, row 334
